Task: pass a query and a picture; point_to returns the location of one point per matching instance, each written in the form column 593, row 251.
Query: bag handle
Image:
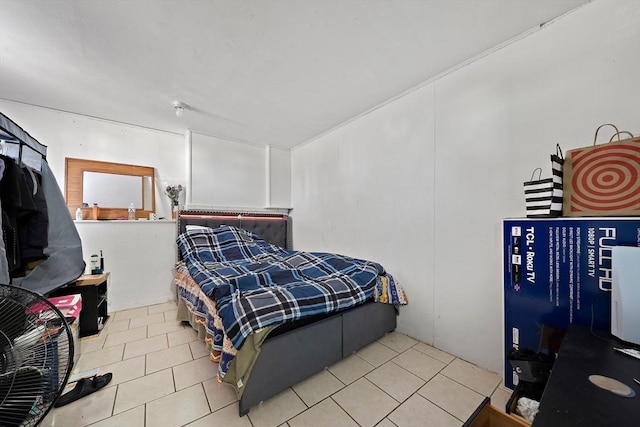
column 559, row 151
column 539, row 174
column 618, row 135
column 601, row 126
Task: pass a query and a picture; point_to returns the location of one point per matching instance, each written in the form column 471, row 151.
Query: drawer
column 524, row 389
column 488, row 416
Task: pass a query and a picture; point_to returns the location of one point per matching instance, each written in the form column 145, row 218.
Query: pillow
column 196, row 227
column 224, row 243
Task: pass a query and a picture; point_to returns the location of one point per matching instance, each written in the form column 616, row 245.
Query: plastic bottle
column 132, row 212
column 78, row 214
column 95, row 264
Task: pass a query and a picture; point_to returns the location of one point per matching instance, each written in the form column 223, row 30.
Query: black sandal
column 84, row 387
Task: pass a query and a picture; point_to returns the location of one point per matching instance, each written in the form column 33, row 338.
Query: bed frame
column 319, row 343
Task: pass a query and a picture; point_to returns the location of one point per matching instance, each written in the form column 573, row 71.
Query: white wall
column 226, row 173
column 139, row 255
column 231, row 174
column 278, row 184
column 422, row 183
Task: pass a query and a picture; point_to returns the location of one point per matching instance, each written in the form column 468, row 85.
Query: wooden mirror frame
column 73, row 187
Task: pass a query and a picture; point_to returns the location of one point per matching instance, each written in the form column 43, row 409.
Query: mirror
column 113, row 186
column 116, row 190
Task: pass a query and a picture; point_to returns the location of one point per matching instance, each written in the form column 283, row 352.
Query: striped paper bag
column 604, row 180
column 543, row 197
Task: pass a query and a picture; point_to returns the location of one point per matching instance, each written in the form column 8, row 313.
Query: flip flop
column 84, row 387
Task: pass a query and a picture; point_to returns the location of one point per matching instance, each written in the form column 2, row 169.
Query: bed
column 271, row 349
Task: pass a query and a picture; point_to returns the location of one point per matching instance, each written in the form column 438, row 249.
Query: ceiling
column 264, row 72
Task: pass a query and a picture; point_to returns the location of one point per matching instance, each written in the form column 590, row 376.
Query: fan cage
column 36, row 356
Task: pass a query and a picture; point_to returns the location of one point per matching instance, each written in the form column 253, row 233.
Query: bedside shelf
column 94, row 291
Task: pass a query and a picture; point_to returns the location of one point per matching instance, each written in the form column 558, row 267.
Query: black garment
column 24, row 216
column 34, row 228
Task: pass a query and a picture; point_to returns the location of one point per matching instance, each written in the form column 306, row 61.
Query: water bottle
column 132, row 212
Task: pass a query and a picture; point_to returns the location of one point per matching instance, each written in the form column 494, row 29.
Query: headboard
column 274, row 228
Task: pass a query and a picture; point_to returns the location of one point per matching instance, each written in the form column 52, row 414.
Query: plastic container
column 132, row 212
column 78, row 214
column 95, row 264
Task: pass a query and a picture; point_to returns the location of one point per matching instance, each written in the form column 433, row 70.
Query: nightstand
column 94, row 291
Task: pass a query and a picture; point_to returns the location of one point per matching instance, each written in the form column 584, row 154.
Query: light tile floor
column 162, row 376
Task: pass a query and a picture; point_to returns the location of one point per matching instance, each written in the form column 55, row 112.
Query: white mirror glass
column 115, row 191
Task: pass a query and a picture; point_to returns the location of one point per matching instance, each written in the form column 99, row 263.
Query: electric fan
column 36, row 356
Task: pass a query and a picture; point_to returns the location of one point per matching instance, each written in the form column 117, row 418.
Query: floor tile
column 219, row 395
column 434, row 352
column 99, row 358
column 454, row 398
column 500, row 397
column 160, row 308
column 317, row 388
column 397, row 341
column 170, row 315
column 150, row 319
column 183, row 336
column 142, row 390
column 478, row 379
column 165, row 327
column 193, row 372
column 225, row 417
column 419, row 412
column 125, row 370
column 385, row 423
column 94, row 343
column 276, row 410
column 144, row 346
column 395, row 381
column 365, row 402
column 115, row 326
column 132, row 418
column 350, row 369
column 376, row 354
column 167, row 358
column 325, row 414
column 199, row 349
column 129, row 314
column 94, row 407
column 178, row 408
column 123, row 337
column 419, row 364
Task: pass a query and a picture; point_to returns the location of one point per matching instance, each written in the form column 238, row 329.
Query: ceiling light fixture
column 179, row 106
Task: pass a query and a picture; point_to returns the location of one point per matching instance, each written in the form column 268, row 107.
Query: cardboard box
column 556, row 272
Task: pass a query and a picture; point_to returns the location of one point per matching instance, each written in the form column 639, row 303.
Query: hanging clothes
column 35, row 221
column 16, row 203
column 4, row 265
column 33, row 229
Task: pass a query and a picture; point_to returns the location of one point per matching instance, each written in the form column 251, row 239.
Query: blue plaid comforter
column 256, row 284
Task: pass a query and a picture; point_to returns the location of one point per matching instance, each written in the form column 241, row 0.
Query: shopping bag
column 603, row 180
column 543, row 197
